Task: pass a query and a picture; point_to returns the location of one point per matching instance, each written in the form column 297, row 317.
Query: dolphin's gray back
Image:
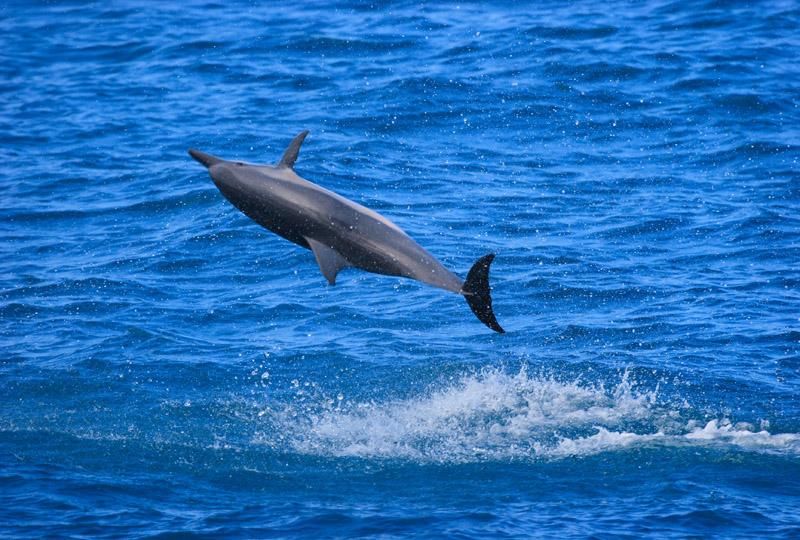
column 299, row 210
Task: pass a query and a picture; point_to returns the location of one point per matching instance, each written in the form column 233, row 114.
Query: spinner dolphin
column 340, row 232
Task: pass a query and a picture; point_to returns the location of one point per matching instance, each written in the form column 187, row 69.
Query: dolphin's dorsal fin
column 329, row 260
column 290, row 155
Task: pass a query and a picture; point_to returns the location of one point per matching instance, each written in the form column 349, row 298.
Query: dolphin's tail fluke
column 476, row 291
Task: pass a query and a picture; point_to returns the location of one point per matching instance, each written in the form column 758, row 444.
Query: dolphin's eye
column 239, row 164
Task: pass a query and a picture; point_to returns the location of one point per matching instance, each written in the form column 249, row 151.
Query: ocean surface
column 169, row 369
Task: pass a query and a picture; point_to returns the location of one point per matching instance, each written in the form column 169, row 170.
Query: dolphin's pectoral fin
column 290, row 155
column 329, row 260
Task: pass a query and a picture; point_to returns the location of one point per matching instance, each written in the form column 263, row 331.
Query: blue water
column 170, row 368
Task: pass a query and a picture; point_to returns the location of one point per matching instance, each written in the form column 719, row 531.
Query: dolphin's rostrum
column 341, row 233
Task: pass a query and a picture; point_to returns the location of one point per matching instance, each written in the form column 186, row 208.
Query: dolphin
column 340, row 232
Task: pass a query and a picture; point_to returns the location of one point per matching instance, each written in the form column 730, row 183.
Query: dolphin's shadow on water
column 340, row 232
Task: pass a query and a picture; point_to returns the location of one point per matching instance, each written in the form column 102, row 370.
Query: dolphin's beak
column 206, row 159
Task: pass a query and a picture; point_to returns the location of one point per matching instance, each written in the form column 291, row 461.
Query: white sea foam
column 496, row 415
column 743, row 435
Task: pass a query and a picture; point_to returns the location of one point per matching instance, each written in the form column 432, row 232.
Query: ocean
column 169, row 369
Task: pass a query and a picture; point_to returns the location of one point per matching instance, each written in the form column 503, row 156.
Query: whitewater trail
column 495, row 415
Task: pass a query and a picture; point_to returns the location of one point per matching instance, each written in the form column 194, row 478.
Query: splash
column 495, row 415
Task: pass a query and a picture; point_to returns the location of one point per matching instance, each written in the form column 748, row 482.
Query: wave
column 494, row 415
